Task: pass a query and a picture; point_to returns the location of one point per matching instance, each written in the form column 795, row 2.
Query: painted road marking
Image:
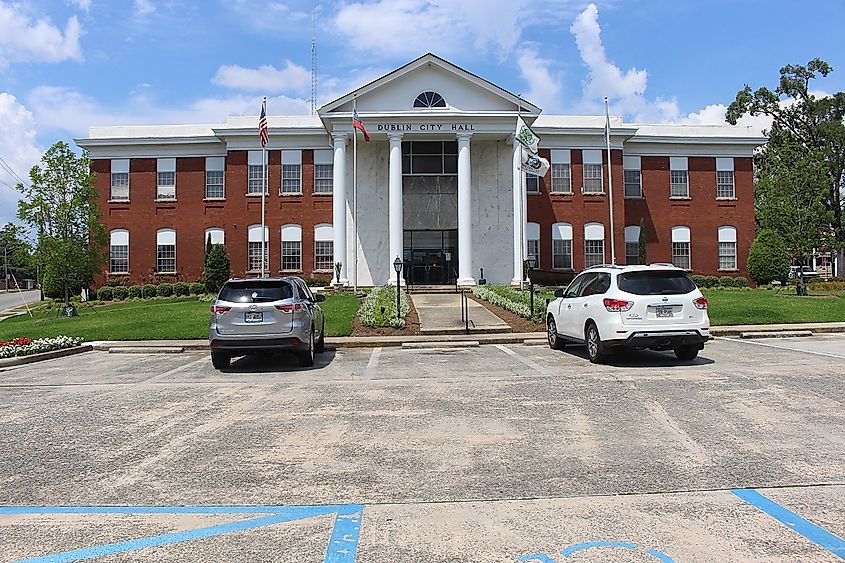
column 799, row 525
column 372, row 365
column 342, row 546
column 528, row 362
column 175, row 370
column 764, row 344
column 568, row 551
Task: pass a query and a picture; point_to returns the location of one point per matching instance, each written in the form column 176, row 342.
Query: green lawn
column 167, row 319
column 763, row 306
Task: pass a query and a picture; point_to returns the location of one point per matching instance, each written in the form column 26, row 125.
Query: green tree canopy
column 217, row 268
column 767, row 258
column 59, row 205
column 17, row 252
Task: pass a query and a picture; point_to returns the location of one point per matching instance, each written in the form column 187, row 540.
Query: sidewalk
column 440, row 313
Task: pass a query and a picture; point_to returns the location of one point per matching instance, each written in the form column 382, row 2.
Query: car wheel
column 220, row 360
column 595, row 347
column 320, row 345
column 686, row 353
column 306, row 357
column 555, row 342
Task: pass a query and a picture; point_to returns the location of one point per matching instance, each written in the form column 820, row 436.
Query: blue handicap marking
column 568, row 551
column 816, row 534
column 342, row 546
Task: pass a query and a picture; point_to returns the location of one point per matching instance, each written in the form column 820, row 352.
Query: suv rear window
column 664, row 282
column 264, row 290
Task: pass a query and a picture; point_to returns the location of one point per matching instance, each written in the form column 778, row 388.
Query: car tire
column 320, row 345
column 220, row 360
column 686, row 353
column 555, row 341
column 306, row 357
column 595, row 347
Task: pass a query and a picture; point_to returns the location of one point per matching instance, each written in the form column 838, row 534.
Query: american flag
column 356, row 124
column 262, row 124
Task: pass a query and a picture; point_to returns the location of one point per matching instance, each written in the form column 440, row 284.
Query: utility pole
column 5, row 268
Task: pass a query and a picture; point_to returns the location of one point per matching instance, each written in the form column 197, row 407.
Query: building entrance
column 431, row 257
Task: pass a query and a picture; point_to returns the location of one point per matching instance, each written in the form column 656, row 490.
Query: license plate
column 664, row 312
column 253, row 317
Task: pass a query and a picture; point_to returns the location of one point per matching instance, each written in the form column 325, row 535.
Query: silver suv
column 266, row 315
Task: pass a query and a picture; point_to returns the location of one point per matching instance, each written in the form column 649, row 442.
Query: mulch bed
column 517, row 323
column 412, row 326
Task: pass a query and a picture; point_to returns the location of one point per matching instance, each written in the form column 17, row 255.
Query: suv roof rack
column 663, row 264
column 603, row 266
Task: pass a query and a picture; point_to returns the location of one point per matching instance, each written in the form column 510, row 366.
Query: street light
column 397, row 265
column 531, row 262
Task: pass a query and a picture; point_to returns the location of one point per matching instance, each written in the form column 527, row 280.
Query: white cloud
column 625, row 90
column 544, row 88
column 18, row 149
column 84, row 5
column 25, row 39
column 266, row 78
column 143, row 8
column 269, row 16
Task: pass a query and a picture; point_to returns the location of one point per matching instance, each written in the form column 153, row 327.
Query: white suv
column 613, row 307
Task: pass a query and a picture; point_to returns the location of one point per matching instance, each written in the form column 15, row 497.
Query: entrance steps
column 431, row 289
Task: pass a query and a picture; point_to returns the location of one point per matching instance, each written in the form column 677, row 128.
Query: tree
column 216, row 269
column 642, row 245
column 59, row 205
column 767, row 258
column 17, row 253
column 802, row 121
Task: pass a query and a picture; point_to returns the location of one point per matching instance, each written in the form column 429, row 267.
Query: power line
column 12, row 173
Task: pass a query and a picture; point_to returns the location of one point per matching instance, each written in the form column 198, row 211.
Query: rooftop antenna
column 314, row 59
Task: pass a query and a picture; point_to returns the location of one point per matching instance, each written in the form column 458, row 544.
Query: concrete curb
column 32, row 358
column 441, row 344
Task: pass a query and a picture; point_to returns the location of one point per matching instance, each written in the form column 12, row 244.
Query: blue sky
column 66, row 65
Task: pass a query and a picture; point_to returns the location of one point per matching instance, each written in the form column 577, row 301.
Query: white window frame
column 119, row 180
column 679, row 177
column 253, row 248
column 561, row 171
column 323, row 235
column 594, row 233
column 165, row 238
column 725, row 181
column 291, row 173
column 532, row 238
column 727, row 237
column 118, row 238
column 632, row 237
column 218, row 235
column 323, row 171
column 255, row 173
column 632, row 176
column 593, row 172
column 292, row 235
column 215, row 165
column 165, row 170
column 561, row 235
column 532, row 183
column 681, row 247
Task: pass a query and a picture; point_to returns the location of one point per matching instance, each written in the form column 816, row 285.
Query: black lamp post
column 531, row 263
column 397, row 265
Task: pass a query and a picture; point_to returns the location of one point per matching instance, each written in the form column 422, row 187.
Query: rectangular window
column 323, row 255
column 255, row 180
column 291, row 179
column 725, row 184
column 119, row 259
column 166, row 178
column 679, row 183
column 214, row 184
column 291, row 255
column 727, row 256
column 119, row 186
column 534, row 250
column 593, row 253
column 681, row 255
column 323, row 174
column 430, row 158
column 562, row 254
column 254, row 256
column 593, row 179
column 632, row 253
column 532, row 184
column 633, row 183
column 166, row 258
column 561, row 179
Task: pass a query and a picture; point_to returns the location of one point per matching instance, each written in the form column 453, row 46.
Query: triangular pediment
column 462, row 91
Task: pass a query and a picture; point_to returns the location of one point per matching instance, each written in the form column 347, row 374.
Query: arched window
column 254, row 258
column 593, row 244
column 727, row 248
column 429, row 99
column 119, row 251
column 532, row 236
column 324, row 247
column 681, row 247
column 218, row 235
column 292, row 248
column 632, row 244
column 166, row 251
column 562, row 246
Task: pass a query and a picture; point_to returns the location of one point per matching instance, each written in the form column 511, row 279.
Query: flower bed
column 379, row 308
column 514, row 300
column 28, row 346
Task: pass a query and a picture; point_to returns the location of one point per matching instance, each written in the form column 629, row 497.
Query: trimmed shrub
column 181, row 288
column 135, row 291
column 217, row 268
column 830, row 285
column 726, row 281
column 196, row 288
column 121, row 292
column 767, row 258
column 699, row 280
column 148, row 290
column 164, row 289
column 317, row 282
column 105, row 293
column 740, row 281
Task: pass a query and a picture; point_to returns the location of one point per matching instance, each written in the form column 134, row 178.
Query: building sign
column 428, row 127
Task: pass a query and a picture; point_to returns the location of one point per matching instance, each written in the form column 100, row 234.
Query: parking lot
column 496, row 453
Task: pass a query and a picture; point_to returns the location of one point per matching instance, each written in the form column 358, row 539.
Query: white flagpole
column 523, row 202
column 355, row 201
column 263, row 200
column 609, row 182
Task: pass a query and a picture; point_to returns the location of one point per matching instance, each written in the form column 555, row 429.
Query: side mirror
column 559, row 292
column 319, row 298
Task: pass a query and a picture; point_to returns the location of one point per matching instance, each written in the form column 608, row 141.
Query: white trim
column 120, row 166
column 727, row 233
column 724, row 164
column 532, row 231
column 254, row 233
column 255, row 158
column 631, row 162
column 562, row 231
column 323, row 232
column 119, row 237
column 323, row 156
column 678, row 163
column 292, row 233
column 218, row 235
column 680, row 233
column 166, row 237
column 591, row 156
column 215, row 164
column 561, row 156
column 594, row 231
column 166, row 165
column 632, row 233
column 290, row 156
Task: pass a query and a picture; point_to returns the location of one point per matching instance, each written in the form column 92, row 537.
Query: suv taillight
column 290, row 308
column 700, row 303
column 217, row 309
column 617, row 305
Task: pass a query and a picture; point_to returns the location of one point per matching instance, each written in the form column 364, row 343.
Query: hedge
column 180, row 289
column 148, row 290
column 121, row 292
column 164, row 289
column 105, row 293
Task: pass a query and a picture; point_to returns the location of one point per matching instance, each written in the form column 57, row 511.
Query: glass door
column 431, row 257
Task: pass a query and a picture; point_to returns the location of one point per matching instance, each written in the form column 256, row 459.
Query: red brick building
column 437, row 186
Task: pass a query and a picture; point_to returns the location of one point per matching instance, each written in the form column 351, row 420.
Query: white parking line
column 528, row 362
column 372, row 365
column 825, row 354
column 175, row 370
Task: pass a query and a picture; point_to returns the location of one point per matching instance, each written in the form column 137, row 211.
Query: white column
column 394, row 195
column 341, row 252
column 518, row 215
column 465, row 266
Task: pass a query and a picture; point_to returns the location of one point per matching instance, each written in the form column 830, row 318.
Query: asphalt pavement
column 495, row 453
column 12, row 299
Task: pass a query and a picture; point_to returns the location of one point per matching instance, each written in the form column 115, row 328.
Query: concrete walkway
column 440, row 313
